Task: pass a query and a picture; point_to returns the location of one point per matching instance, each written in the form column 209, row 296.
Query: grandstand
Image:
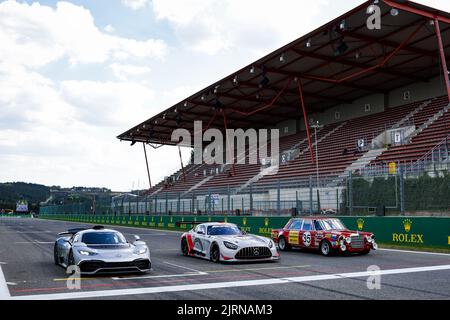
column 381, row 97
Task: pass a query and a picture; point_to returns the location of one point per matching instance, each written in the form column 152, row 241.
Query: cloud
column 108, row 103
column 109, row 28
column 135, row 4
column 217, row 25
column 35, row 35
column 125, row 71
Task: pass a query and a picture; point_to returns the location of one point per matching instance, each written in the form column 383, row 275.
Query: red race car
column 329, row 235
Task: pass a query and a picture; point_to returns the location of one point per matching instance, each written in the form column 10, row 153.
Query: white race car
column 218, row 241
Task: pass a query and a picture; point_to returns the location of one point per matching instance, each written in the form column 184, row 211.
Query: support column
column 442, row 55
column 148, row 170
column 305, row 118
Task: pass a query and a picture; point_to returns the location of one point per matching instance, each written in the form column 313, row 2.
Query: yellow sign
column 266, row 222
column 293, row 237
column 360, row 223
column 407, row 224
column 448, row 239
column 392, row 168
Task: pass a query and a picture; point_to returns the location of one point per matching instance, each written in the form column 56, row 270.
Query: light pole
column 315, row 126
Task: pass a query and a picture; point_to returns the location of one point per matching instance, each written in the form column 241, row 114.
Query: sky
column 75, row 74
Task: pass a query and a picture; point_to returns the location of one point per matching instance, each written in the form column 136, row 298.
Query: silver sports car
column 99, row 250
column 219, row 241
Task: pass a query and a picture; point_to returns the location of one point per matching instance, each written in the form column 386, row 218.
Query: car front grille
column 97, row 265
column 357, row 242
column 254, row 253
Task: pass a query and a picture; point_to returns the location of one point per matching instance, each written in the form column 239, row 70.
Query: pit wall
column 426, row 232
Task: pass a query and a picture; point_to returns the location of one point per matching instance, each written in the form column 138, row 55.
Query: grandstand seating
column 337, row 148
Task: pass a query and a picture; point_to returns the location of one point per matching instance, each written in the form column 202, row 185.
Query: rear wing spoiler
column 73, row 231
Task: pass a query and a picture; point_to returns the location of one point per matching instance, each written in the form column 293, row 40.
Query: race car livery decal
column 293, row 237
column 306, row 238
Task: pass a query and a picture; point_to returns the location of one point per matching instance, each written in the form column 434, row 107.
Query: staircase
column 300, row 153
column 411, row 115
column 359, row 164
column 198, row 184
column 430, row 121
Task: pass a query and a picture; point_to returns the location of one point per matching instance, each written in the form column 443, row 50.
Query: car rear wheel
column 184, row 247
column 283, row 245
column 215, row 253
column 325, row 248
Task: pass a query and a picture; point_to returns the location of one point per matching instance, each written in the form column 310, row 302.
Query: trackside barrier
column 404, row 231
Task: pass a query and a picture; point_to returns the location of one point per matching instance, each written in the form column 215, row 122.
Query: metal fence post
column 209, row 202
column 228, row 202
column 167, row 203
column 251, row 200
column 178, row 204
column 402, row 191
column 156, row 204
column 310, row 196
column 350, row 193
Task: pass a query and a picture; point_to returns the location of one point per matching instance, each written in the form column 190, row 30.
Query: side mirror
column 136, row 237
column 200, row 232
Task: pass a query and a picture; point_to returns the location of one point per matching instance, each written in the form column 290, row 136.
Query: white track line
column 418, row 252
column 161, row 276
column 183, row 267
column 219, row 285
column 4, row 291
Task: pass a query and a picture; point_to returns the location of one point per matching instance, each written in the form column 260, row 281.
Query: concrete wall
column 418, row 91
column 379, row 102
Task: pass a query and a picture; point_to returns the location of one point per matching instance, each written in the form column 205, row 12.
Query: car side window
column 296, row 225
column 201, row 229
column 307, row 225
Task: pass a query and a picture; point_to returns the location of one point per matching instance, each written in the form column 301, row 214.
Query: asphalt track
column 27, row 272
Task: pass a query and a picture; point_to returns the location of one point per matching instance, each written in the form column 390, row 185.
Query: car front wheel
column 282, row 245
column 55, row 255
column 184, row 247
column 325, row 248
column 215, row 253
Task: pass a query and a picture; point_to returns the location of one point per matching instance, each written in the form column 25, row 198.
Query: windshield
column 332, row 224
column 224, row 230
column 103, row 238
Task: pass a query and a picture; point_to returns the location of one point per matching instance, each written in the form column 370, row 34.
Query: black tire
column 325, row 248
column 215, row 253
column 283, row 245
column 184, row 247
column 55, row 255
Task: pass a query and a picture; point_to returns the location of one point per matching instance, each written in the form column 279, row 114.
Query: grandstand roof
column 335, row 64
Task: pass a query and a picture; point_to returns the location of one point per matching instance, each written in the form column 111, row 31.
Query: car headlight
column 348, row 240
column 230, row 245
column 87, row 253
column 271, row 244
column 141, row 250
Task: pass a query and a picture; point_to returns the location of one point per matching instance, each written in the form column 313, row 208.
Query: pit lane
column 26, row 261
